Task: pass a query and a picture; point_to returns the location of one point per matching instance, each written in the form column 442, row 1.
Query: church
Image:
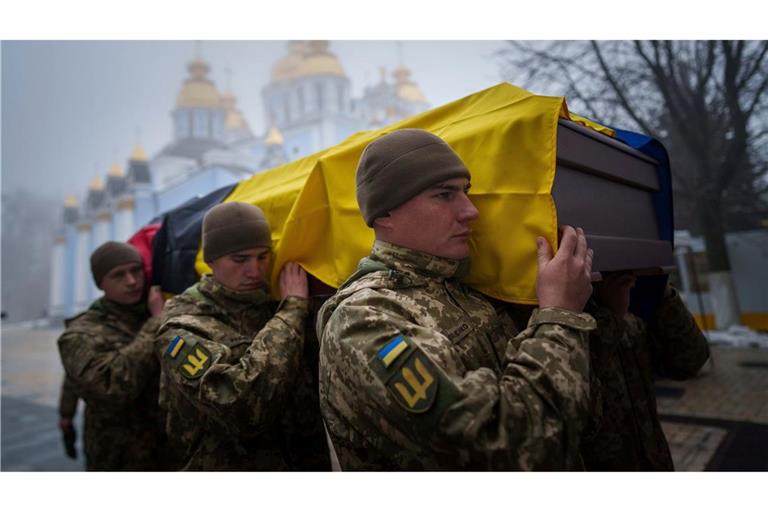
column 308, row 106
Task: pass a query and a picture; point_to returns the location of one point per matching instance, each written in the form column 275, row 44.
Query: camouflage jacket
column 107, row 353
column 235, row 383
column 418, row 371
column 625, row 433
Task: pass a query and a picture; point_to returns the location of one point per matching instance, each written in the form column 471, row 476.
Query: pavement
column 31, row 380
column 719, row 420
column 715, row 422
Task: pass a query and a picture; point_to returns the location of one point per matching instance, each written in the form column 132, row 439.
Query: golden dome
column 235, row 121
column 97, row 183
column 307, row 58
column 70, row 201
column 274, row 137
column 138, row 153
column 285, row 68
column 116, row 171
column 406, row 89
column 198, row 91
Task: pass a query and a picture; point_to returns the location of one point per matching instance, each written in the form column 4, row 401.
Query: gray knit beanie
column 397, row 166
column 231, row 227
column 109, row 255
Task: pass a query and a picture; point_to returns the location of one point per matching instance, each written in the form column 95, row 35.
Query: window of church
column 319, row 93
column 340, row 96
column 201, row 124
column 300, row 97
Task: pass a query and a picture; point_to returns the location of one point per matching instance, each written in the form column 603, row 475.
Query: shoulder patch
column 188, row 356
column 408, row 374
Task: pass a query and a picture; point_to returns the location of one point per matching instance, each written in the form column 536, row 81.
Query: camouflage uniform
column 625, row 433
column 68, row 399
column 418, row 371
column 238, row 391
column 107, row 353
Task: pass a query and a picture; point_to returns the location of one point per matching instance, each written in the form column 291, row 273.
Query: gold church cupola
column 406, row 88
column 305, row 59
column 198, row 90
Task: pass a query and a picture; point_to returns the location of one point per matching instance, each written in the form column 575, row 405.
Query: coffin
column 607, row 188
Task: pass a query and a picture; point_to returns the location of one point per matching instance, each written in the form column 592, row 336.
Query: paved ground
column 31, row 379
column 718, row 421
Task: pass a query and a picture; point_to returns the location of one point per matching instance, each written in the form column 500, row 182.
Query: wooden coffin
column 607, row 188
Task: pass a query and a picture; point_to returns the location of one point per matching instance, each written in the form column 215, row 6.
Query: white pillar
column 56, row 305
column 82, row 266
column 124, row 227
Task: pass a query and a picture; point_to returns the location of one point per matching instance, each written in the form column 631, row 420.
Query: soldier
column 417, row 371
column 235, row 383
column 107, row 353
column 624, row 432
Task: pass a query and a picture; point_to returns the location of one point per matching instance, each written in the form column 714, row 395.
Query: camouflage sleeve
column 105, row 374
column 246, row 393
column 422, row 400
column 68, row 399
column 678, row 347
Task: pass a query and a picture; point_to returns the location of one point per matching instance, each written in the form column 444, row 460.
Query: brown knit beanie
column 109, row 255
column 398, row 166
column 232, row 227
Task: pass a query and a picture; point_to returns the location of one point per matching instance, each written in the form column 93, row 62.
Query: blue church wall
column 197, row 185
column 70, row 234
column 299, row 144
column 144, row 210
column 181, row 124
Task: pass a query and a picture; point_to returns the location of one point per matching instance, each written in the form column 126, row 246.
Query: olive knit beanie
column 400, row 165
column 109, row 255
column 231, row 227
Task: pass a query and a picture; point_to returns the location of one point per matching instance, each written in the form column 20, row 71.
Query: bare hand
column 155, row 301
column 293, row 281
column 613, row 291
column 564, row 281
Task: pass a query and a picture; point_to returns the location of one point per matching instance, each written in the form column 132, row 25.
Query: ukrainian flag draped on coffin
column 505, row 135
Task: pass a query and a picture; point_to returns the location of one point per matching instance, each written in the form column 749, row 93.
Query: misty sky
column 71, row 108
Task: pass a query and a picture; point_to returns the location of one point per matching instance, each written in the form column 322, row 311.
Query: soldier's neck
column 411, row 260
column 231, row 297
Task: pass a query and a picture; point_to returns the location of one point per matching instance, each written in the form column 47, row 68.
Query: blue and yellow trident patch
column 190, row 357
column 409, row 375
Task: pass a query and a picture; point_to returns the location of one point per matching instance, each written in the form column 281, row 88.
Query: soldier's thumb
column 543, row 251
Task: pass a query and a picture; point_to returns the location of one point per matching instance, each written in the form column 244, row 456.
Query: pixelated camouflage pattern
column 107, row 353
column 503, row 402
column 256, row 407
column 625, row 433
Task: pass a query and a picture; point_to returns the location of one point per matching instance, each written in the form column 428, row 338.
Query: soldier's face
column 124, row 284
column 436, row 221
column 243, row 270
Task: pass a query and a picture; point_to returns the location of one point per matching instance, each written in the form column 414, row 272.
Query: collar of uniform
column 409, row 260
column 231, row 299
column 138, row 310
